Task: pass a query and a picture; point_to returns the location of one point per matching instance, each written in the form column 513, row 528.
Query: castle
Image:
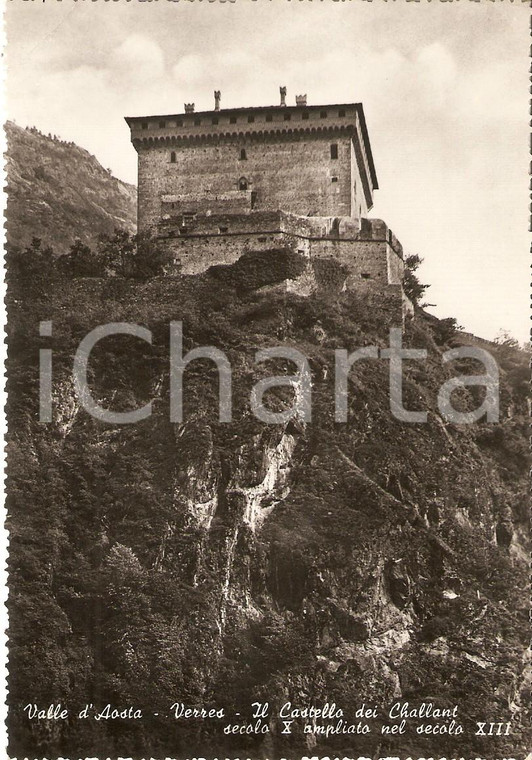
column 215, row 184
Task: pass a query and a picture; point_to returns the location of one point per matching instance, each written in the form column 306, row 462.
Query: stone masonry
column 215, row 184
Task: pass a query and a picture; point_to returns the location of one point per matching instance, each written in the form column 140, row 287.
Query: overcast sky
column 444, row 88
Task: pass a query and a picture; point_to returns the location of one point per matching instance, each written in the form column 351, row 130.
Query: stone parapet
column 371, row 254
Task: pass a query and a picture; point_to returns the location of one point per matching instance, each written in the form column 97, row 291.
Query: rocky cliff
column 58, row 192
column 221, row 564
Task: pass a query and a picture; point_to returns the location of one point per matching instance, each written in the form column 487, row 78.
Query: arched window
column 243, row 155
column 172, row 157
column 242, row 183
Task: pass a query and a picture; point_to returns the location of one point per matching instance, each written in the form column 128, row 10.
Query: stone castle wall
column 370, row 252
column 297, row 175
column 215, row 185
column 288, row 154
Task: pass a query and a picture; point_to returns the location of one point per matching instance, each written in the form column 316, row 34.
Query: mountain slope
column 220, row 564
column 58, row 191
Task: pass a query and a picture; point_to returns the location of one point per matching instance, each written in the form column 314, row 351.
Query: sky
column 444, row 88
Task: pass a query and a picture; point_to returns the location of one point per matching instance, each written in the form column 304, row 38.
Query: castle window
column 179, row 123
column 144, row 125
column 287, row 117
column 222, row 229
column 341, row 112
column 323, row 114
column 214, row 120
column 253, row 199
column 269, row 117
column 232, row 120
column 172, row 161
column 334, row 179
column 334, row 150
column 242, row 183
column 162, row 124
column 251, row 118
column 243, row 155
column 197, row 122
column 365, row 276
column 188, row 217
column 304, row 115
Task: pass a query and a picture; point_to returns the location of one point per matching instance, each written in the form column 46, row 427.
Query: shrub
column 444, row 329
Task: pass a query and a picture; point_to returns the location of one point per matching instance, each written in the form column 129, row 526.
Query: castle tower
column 303, row 159
column 214, row 185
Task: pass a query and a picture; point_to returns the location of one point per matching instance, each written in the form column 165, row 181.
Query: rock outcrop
column 220, row 564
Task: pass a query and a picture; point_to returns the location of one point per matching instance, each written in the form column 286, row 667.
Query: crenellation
column 288, row 118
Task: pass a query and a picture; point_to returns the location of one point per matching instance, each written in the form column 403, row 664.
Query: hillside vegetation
column 59, row 192
column 222, row 564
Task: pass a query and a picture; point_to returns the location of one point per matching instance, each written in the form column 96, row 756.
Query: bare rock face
column 228, row 563
column 399, row 585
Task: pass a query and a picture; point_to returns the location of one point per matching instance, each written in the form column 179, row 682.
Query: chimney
column 189, row 107
column 282, row 90
column 301, row 100
column 217, row 98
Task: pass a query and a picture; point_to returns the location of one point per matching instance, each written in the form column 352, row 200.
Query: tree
column 413, row 288
column 514, row 360
column 506, row 341
column 30, row 271
column 148, row 259
column 80, row 261
column 135, row 256
column 115, row 252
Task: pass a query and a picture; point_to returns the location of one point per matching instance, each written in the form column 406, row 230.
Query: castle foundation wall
column 370, row 254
